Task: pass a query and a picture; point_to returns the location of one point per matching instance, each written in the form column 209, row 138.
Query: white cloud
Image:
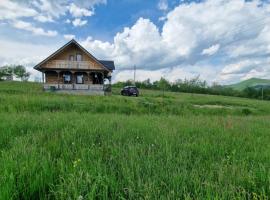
column 25, row 53
column 237, row 28
column 69, row 36
column 78, row 22
column 245, row 69
column 172, row 74
column 240, row 67
column 224, row 40
column 211, row 50
column 45, row 11
column 76, row 11
column 29, row 27
column 163, row 5
column 68, row 21
column 50, row 8
column 138, row 45
column 42, row 18
column 11, row 10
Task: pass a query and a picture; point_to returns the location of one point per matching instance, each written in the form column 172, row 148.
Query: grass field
column 176, row 146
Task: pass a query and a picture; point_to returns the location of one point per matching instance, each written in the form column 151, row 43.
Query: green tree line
column 196, row 85
column 9, row 71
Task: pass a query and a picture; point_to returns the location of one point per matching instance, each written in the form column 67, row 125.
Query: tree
column 163, row 84
column 20, row 72
column 6, row 73
column 2, row 74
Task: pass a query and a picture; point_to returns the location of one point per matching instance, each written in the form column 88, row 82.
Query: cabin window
column 79, row 57
column 71, row 58
column 79, row 79
column 67, row 78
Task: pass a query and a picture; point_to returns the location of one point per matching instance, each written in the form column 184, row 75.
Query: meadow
column 156, row 146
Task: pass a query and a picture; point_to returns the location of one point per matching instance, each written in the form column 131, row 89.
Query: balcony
column 66, row 64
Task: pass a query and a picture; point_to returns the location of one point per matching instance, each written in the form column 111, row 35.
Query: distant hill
column 253, row 82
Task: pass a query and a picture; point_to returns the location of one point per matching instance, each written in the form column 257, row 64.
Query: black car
column 130, row 91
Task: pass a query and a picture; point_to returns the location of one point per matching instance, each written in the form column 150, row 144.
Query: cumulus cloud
column 42, row 18
column 11, row 10
column 78, row 22
column 211, row 50
column 27, row 54
column 57, row 8
column 221, row 34
column 69, row 36
column 163, row 5
column 45, row 11
column 225, row 41
column 171, row 74
column 76, row 11
column 29, row 27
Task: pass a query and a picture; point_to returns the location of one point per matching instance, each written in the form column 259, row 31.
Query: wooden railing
column 90, row 87
column 66, row 64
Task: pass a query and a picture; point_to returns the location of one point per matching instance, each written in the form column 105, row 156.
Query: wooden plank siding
column 61, row 60
column 51, row 77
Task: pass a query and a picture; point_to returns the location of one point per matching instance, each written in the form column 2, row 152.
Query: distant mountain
column 253, row 82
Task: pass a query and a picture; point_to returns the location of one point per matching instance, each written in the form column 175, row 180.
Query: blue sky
column 223, row 41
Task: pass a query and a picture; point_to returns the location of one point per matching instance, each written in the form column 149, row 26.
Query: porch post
column 102, row 78
column 43, row 82
column 88, row 77
column 58, row 79
column 73, row 79
column 110, row 84
column 102, row 81
column 43, row 77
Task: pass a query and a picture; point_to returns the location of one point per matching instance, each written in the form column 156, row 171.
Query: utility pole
column 262, row 92
column 134, row 75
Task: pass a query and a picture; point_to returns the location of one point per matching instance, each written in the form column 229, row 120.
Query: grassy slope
column 63, row 146
column 249, row 83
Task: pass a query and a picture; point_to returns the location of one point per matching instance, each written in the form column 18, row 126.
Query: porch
column 71, row 81
column 87, row 89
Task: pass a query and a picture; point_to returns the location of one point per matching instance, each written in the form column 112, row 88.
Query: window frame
column 81, row 79
column 64, row 79
column 71, row 56
column 77, row 54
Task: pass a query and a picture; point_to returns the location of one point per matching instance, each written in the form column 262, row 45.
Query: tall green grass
column 151, row 147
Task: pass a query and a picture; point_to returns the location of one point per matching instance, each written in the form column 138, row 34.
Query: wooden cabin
column 73, row 69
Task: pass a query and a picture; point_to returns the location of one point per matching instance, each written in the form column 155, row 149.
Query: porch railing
column 66, row 64
column 73, row 87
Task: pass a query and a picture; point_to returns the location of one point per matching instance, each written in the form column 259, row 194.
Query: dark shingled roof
column 108, row 64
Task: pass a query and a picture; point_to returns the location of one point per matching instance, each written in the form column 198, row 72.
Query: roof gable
column 72, row 42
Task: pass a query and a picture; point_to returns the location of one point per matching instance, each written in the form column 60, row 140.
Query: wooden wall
column 73, row 50
column 51, row 77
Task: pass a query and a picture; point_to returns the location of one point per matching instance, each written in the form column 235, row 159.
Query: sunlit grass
column 151, row 147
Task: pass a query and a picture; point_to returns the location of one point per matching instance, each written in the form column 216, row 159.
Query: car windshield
column 130, row 87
